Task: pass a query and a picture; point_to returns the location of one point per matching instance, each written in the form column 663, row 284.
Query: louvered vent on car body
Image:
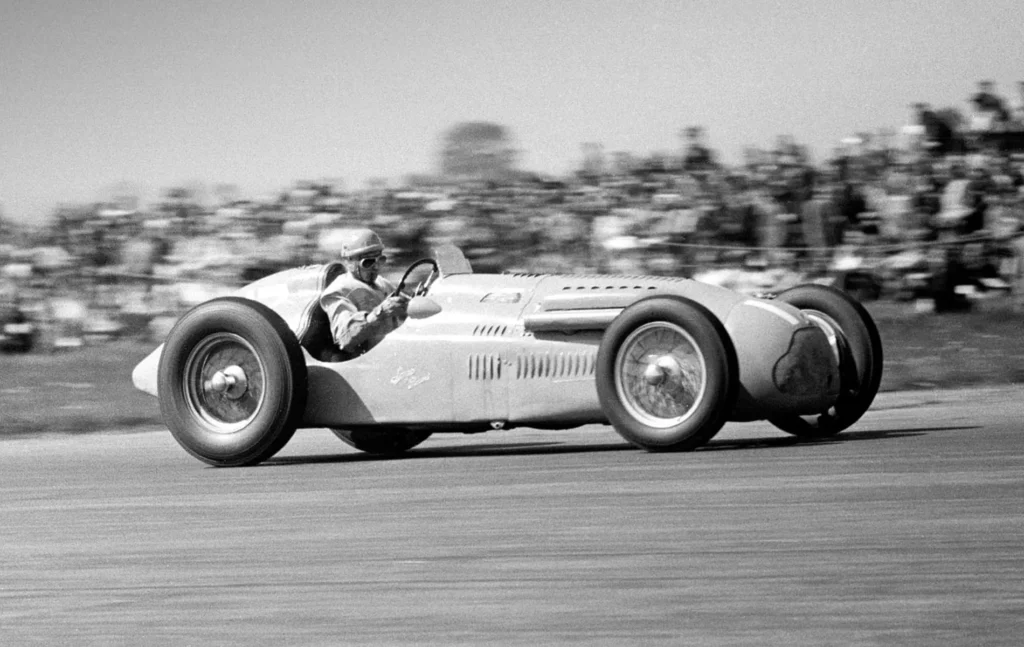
column 556, row 366
column 484, row 366
column 613, row 282
column 491, row 330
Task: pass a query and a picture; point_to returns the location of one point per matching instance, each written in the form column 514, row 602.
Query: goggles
column 372, row 261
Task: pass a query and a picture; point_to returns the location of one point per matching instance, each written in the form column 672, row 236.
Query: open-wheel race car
column 665, row 361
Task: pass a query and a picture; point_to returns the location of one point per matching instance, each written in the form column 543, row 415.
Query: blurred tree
column 623, row 163
column 225, row 193
column 478, row 150
column 124, row 195
column 593, row 160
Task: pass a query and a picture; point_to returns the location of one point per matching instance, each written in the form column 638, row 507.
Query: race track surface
column 906, row 530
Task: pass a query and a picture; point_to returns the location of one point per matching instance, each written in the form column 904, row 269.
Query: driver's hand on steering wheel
column 394, row 305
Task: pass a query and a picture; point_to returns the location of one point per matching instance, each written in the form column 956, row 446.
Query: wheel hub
column 663, row 371
column 230, row 382
column 224, row 382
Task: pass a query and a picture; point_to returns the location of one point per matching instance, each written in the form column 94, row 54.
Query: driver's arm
column 350, row 326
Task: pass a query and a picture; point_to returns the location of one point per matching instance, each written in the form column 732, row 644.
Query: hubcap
column 232, row 382
column 224, row 382
column 660, row 374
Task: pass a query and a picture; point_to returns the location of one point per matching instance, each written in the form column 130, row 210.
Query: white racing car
column 666, row 361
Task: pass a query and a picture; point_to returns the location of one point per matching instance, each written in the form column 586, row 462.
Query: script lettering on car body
column 408, row 378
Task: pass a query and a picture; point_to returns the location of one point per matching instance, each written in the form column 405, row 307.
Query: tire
column 232, row 382
column 677, row 396
column 859, row 348
column 384, row 441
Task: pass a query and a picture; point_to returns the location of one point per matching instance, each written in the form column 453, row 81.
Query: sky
column 261, row 93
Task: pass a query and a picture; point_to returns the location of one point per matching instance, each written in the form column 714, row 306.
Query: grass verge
column 75, row 391
column 929, row 351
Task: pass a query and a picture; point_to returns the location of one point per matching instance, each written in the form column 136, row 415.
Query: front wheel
column 232, row 382
column 667, row 374
column 388, row 441
column 858, row 347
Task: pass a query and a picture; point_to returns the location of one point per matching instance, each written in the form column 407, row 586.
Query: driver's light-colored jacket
column 348, row 303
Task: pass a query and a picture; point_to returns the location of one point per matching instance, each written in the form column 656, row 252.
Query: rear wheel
column 387, row 441
column 858, row 347
column 232, row 382
column 666, row 374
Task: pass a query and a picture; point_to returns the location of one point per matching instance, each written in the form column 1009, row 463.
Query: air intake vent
column 484, row 367
column 612, row 282
column 556, row 366
column 491, row 330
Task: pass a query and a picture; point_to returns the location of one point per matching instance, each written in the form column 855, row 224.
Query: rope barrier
column 890, row 247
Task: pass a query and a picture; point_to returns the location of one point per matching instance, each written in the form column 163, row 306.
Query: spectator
column 1017, row 107
column 850, row 204
column 989, row 110
column 980, row 191
column 697, row 157
column 937, row 135
column 821, row 223
column 955, row 199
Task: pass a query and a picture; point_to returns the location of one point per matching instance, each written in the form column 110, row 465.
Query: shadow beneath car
column 881, row 434
column 844, row 437
column 468, row 451
column 555, row 447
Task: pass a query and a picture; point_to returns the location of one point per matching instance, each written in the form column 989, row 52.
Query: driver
column 361, row 305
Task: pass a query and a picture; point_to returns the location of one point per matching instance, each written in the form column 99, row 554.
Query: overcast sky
column 260, row 93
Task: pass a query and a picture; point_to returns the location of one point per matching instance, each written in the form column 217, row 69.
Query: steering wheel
column 424, row 285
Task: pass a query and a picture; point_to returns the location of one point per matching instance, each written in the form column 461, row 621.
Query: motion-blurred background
column 750, row 145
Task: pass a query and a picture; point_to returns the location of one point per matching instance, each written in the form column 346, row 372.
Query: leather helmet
column 362, row 242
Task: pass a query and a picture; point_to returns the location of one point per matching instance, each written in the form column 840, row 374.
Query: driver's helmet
column 362, row 242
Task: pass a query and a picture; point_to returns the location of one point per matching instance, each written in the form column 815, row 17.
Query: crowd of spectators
column 888, row 200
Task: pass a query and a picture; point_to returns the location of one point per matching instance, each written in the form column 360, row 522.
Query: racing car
column 666, row 361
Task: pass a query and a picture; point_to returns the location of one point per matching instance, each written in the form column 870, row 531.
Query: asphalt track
column 906, row 530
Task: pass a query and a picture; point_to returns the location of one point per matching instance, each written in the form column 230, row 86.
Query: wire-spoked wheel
column 232, row 382
column 666, row 374
column 661, row 374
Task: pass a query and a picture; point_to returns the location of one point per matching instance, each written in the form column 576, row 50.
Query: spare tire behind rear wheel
column 232, row 382
column 861, row 360
column 385, row 441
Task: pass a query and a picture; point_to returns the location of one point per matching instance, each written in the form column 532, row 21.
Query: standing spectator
column 956, row 200
column 850, row 204
column 989, row 110
column 821, row 223
column 739, row 226
column 1017, row 107
column 980, row 188
column 697, row 157
column 927, row 193
column 937, row 135
column 771, row 223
